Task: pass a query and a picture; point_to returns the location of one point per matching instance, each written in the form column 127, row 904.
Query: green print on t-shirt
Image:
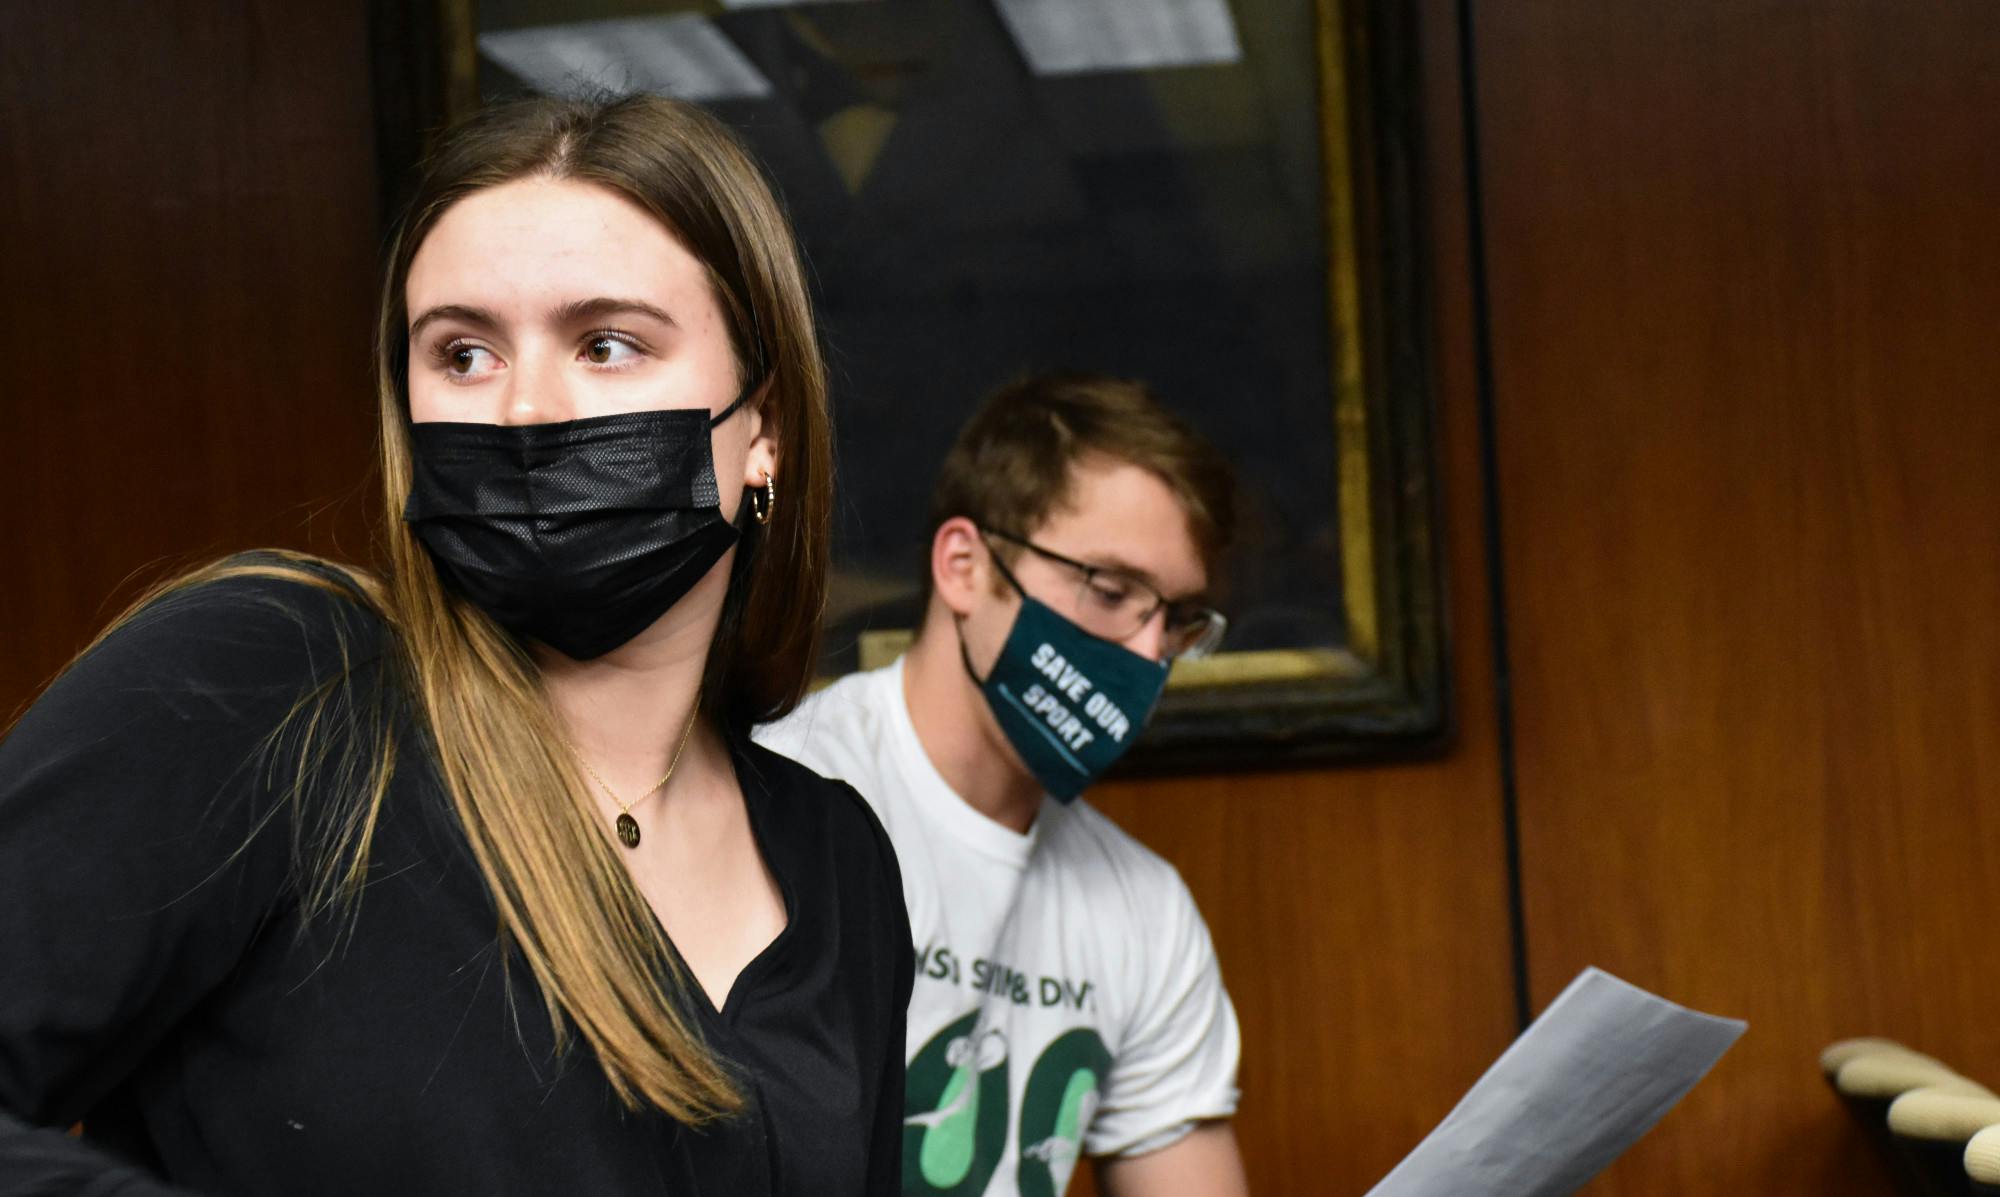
column 956, row 1116
column 1063, row 1091
column 955, row 1111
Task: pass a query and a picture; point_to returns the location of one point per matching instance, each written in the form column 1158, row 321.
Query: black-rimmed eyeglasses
column 1113, row 604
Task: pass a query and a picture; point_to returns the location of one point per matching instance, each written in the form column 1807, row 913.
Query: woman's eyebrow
column 478, row 317
column 575, row 312
column 586, row 310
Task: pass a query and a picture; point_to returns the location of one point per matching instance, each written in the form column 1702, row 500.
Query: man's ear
column 958, row 565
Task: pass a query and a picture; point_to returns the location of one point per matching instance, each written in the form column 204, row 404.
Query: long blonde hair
column 564, row 900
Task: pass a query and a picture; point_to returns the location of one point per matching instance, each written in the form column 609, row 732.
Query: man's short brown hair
column 1013, row 462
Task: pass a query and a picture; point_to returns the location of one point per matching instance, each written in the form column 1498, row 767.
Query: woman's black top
column 159, row 984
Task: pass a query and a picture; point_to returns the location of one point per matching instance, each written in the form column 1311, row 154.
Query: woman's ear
column 958, row 565
column 761, row 462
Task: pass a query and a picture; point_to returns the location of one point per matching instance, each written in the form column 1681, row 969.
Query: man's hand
column 1204, row 1163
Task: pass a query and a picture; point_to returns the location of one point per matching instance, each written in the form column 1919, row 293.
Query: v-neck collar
column 756, row 803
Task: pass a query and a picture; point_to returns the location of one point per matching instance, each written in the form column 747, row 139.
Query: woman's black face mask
column 578, row 534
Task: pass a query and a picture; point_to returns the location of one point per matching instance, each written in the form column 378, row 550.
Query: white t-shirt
column 1067, row 995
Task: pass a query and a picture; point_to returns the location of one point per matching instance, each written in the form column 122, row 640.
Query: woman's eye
column 468, row 361
column 606, row 350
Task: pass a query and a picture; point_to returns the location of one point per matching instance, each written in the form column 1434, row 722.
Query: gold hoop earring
column 763, row 512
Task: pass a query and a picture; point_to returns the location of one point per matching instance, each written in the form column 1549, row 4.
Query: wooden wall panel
column 1361, row 914
column 187, row 255
column 1744, row 268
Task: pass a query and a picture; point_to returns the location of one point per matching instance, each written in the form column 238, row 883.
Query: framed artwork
column 1217, row 197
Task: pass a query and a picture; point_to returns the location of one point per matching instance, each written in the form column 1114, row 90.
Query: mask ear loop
column 1002, row 565
column 770, row 491
column 965, row 657
column 735, row 404
column 958, row 621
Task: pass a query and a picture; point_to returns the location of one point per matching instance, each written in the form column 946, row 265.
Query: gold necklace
column 628, row 827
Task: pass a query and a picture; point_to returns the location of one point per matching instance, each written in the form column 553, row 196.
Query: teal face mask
column 1069, row 703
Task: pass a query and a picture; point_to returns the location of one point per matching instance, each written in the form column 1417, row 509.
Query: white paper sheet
column 1594, row 1072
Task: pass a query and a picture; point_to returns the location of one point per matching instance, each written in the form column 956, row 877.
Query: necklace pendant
column 628, row 831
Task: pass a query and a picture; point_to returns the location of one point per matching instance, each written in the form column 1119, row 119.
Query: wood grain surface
column 1744, row 268
column 188, row 244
